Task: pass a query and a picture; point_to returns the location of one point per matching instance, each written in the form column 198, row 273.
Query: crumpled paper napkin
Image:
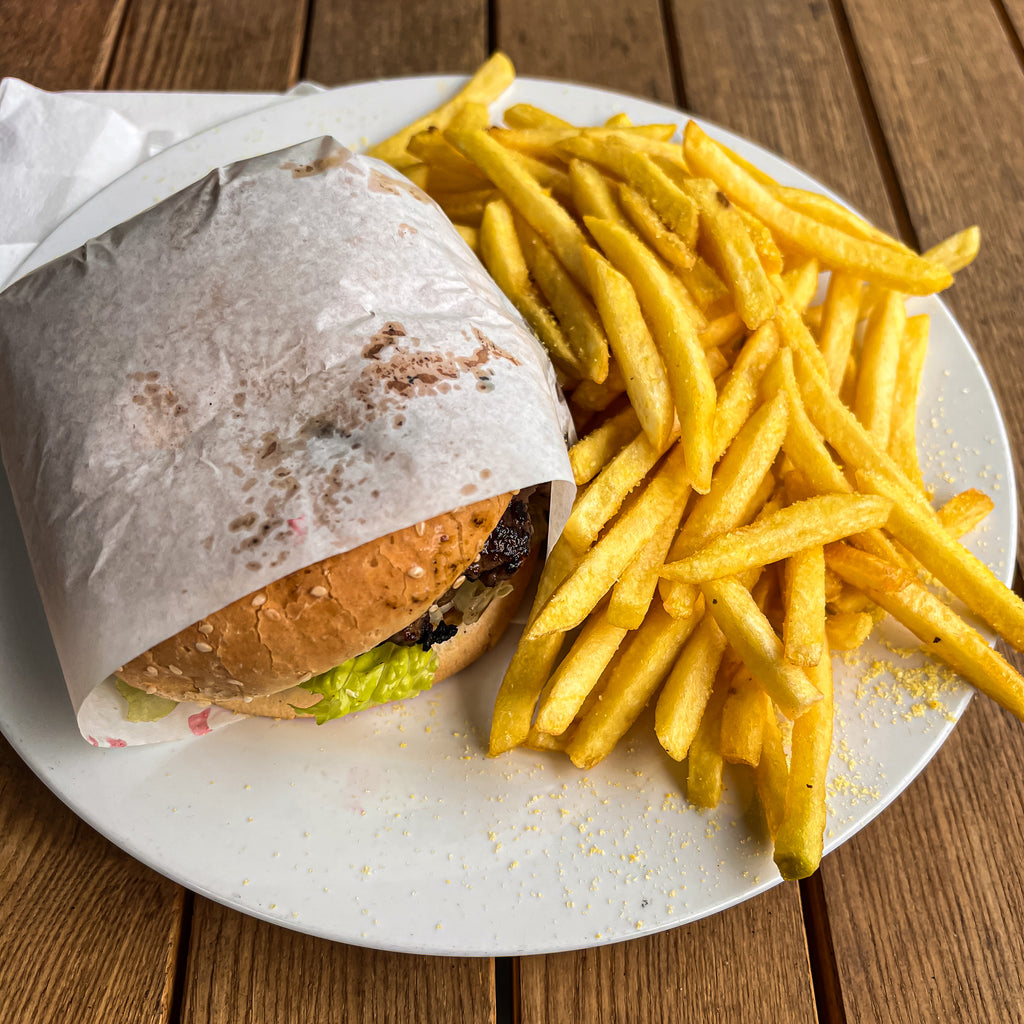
column 59, row 149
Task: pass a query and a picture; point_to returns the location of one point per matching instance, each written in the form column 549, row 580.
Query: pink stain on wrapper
column 115, row 743
column 298, row 526
column 199, row 723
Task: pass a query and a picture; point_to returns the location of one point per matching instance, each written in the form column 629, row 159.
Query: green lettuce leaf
column 142, row 706
column 385, row 673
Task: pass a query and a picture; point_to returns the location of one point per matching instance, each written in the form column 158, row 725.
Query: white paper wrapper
column 292, row 357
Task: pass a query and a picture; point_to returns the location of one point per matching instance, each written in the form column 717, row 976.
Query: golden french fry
column 592, row 510
column 578, row 673
column 645, row 660
column 531, row 664
column 880, row 264
column 433, row 149
column 736, row 486
column 800, row 837
column 959, row 571
column 732, row 253
column 801, row 283
column 652, row 228
column 743, row 714
column 605, row 562
column 820, row 520
column 705, row 762
column 525, row 115
column 672, row 205
column 764, row 245
column 964, row 511
column 685, row 694
column 826, row 211
column 523, row 192
column 739, row 394
column 754, row 640
column 503, row 257
column 590, row 454
column 643, row 369
column 572, row 307
column 845, row 433
column 465, row 207
column 839, row 316
column 846, row 631
column 879, row 361
column 470, row 235
column 596, row 397
column 724, row 329
column 593, row 195
column 957, row 251
column 903, row 427
column 709, row 292
column 547, row 143
column 803, row 630
column 943, row 634
column 693, row 387
column 772, row 773
column 418, row 174
column 491, row 79
column 632, row 594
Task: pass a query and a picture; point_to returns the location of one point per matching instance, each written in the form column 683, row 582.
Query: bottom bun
column 468, row 644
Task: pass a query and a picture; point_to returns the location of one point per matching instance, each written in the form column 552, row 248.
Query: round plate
column 392, row 829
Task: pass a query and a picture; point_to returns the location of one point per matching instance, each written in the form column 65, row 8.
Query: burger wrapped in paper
column 278, row 446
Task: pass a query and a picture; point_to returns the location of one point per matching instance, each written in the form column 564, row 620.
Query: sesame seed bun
column 468, row 644
column 313, row 620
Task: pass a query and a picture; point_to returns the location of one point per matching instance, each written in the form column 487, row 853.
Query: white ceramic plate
column 392, row 829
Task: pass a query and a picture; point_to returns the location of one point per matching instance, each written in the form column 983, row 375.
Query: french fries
column 736, row 435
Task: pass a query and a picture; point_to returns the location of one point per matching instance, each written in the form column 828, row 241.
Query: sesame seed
column 258, row 600
column 247, row 699
column 273, row 614
column 174, row 668
column 203, row 648
column 416, row 572
column 152, row 670
column 421, row 528
column 306, row 677
column 206, row 629
column 150, row 689
column 458, row 583
column 319, row 591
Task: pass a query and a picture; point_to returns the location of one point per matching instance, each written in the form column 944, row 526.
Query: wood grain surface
column 912, row 111
column 242, row 969
column 87, row 933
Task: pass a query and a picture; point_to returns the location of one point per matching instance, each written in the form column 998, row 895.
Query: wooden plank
column 243, row 969
column 926, row 902
column 934, row 71
column 210, row 45
column 87, row 932
column 776, row 72
column 707, row 971
column 59, row 44
column 357, row 40
column 615, row 45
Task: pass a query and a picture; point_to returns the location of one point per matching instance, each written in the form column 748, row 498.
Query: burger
column 282, row 434
column 379, row 623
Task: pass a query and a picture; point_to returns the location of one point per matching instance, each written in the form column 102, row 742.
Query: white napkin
column 58, row 149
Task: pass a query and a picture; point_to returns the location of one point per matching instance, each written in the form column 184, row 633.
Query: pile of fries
column 750, row 496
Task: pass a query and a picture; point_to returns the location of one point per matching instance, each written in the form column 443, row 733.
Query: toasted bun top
column 455, row 654
column 316, row 618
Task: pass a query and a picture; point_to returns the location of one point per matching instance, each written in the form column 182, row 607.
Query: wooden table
column 911, row 109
